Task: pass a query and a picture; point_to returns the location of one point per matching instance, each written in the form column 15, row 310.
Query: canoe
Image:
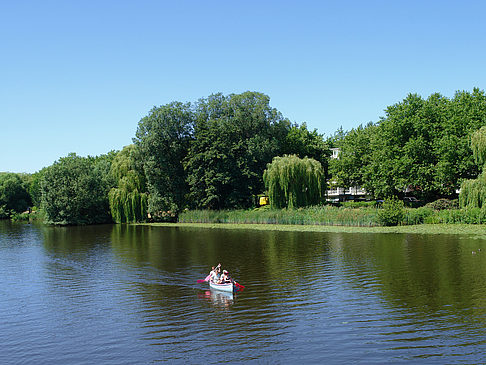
column 228, row 287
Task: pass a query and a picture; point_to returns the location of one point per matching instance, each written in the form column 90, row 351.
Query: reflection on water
column 129, row 294
column 217, row 299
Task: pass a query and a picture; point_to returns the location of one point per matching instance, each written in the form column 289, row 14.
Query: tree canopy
column 421, row 145
column 294, row 182
column 163, row 137
column 14, row 196
column 128, row 200
column 235, row 137
column 75, row 190
column 473, row 191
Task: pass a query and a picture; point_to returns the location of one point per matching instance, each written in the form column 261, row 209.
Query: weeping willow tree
column 128, row 201
column 293, row 182
column 473, row 192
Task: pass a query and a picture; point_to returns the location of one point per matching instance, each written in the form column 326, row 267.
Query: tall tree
column 304, row 143
column 163, row 137
column 13, row 194
column 354, row 155
column 128, row 200
column 235, row 137
column 74, row 191
column 473, row 191
column 293, row 182
column 421, row 144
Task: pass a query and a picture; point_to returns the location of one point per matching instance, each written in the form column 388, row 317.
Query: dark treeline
column 212, row 154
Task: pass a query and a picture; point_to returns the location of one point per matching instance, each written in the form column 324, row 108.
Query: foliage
column 74, row 191
column 478, row 146
column 235, row 137
column 420, row 144
column 333, row 216
column 418, row 215
column 163, row 138
column 392, row 212
column 459, row 216
column 443, row 203
column 14, row 196
column 473, row 192
column 303, row 143
column 34, row 187
column 359, row 204
column 293, row 182
column 315, row 215
column 355, row 152
column 128, row 200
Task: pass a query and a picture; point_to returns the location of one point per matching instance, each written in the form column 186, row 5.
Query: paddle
column 200, row 281
column 239, row 285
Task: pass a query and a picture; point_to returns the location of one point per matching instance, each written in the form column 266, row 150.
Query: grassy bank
column 320, row 215
column 479, row 231
column 334, row 216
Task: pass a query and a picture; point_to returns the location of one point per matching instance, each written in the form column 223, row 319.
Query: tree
column 235, row 137
column 303, row 143
column 293, row 182
column 128, row 200
column 402, row 150
column 355, row 154
column 473, row 191
column 14, row 196
column 163, row 137
column 74, row 191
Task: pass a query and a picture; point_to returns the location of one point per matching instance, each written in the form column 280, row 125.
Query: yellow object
column 264, row 200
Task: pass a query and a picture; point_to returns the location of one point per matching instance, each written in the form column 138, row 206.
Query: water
column 123, row 295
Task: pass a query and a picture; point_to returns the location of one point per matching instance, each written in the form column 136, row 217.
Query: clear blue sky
column 77, row 76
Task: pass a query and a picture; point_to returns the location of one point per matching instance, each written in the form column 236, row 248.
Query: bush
column 392, row 213
column 17, row 217
column 362, row 204
column 4, row 214
column 418, row 215
column 441, row 204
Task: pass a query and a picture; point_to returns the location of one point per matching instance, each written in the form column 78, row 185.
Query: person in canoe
column 225, row 278
column 214, row 274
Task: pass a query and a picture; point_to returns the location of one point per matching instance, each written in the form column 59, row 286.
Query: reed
column 318, row 215
column 333, row 216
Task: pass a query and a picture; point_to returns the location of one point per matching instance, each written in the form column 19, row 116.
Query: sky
column 77, row 76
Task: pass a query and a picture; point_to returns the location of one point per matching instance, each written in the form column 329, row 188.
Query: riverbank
column 477, row 230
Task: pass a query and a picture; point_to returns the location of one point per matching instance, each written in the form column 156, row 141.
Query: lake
column 117, row 294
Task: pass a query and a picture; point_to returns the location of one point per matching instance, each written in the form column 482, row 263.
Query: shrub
column 441, row 204
column 418, row 215
column 392, row 213
column 359, row 204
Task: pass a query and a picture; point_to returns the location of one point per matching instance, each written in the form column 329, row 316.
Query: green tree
column 421, row 144
column 74, row 191
column 392, row 212
column 128, row 200
column 473, row 191
column 355, row 154
column 235, row 137
column 163, row 137
column 14, row 196
column 402, row 150
column 304, row 143
column 293, row 182
column 34, row 187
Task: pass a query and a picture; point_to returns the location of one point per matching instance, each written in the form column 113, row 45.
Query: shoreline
column 461, row 229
